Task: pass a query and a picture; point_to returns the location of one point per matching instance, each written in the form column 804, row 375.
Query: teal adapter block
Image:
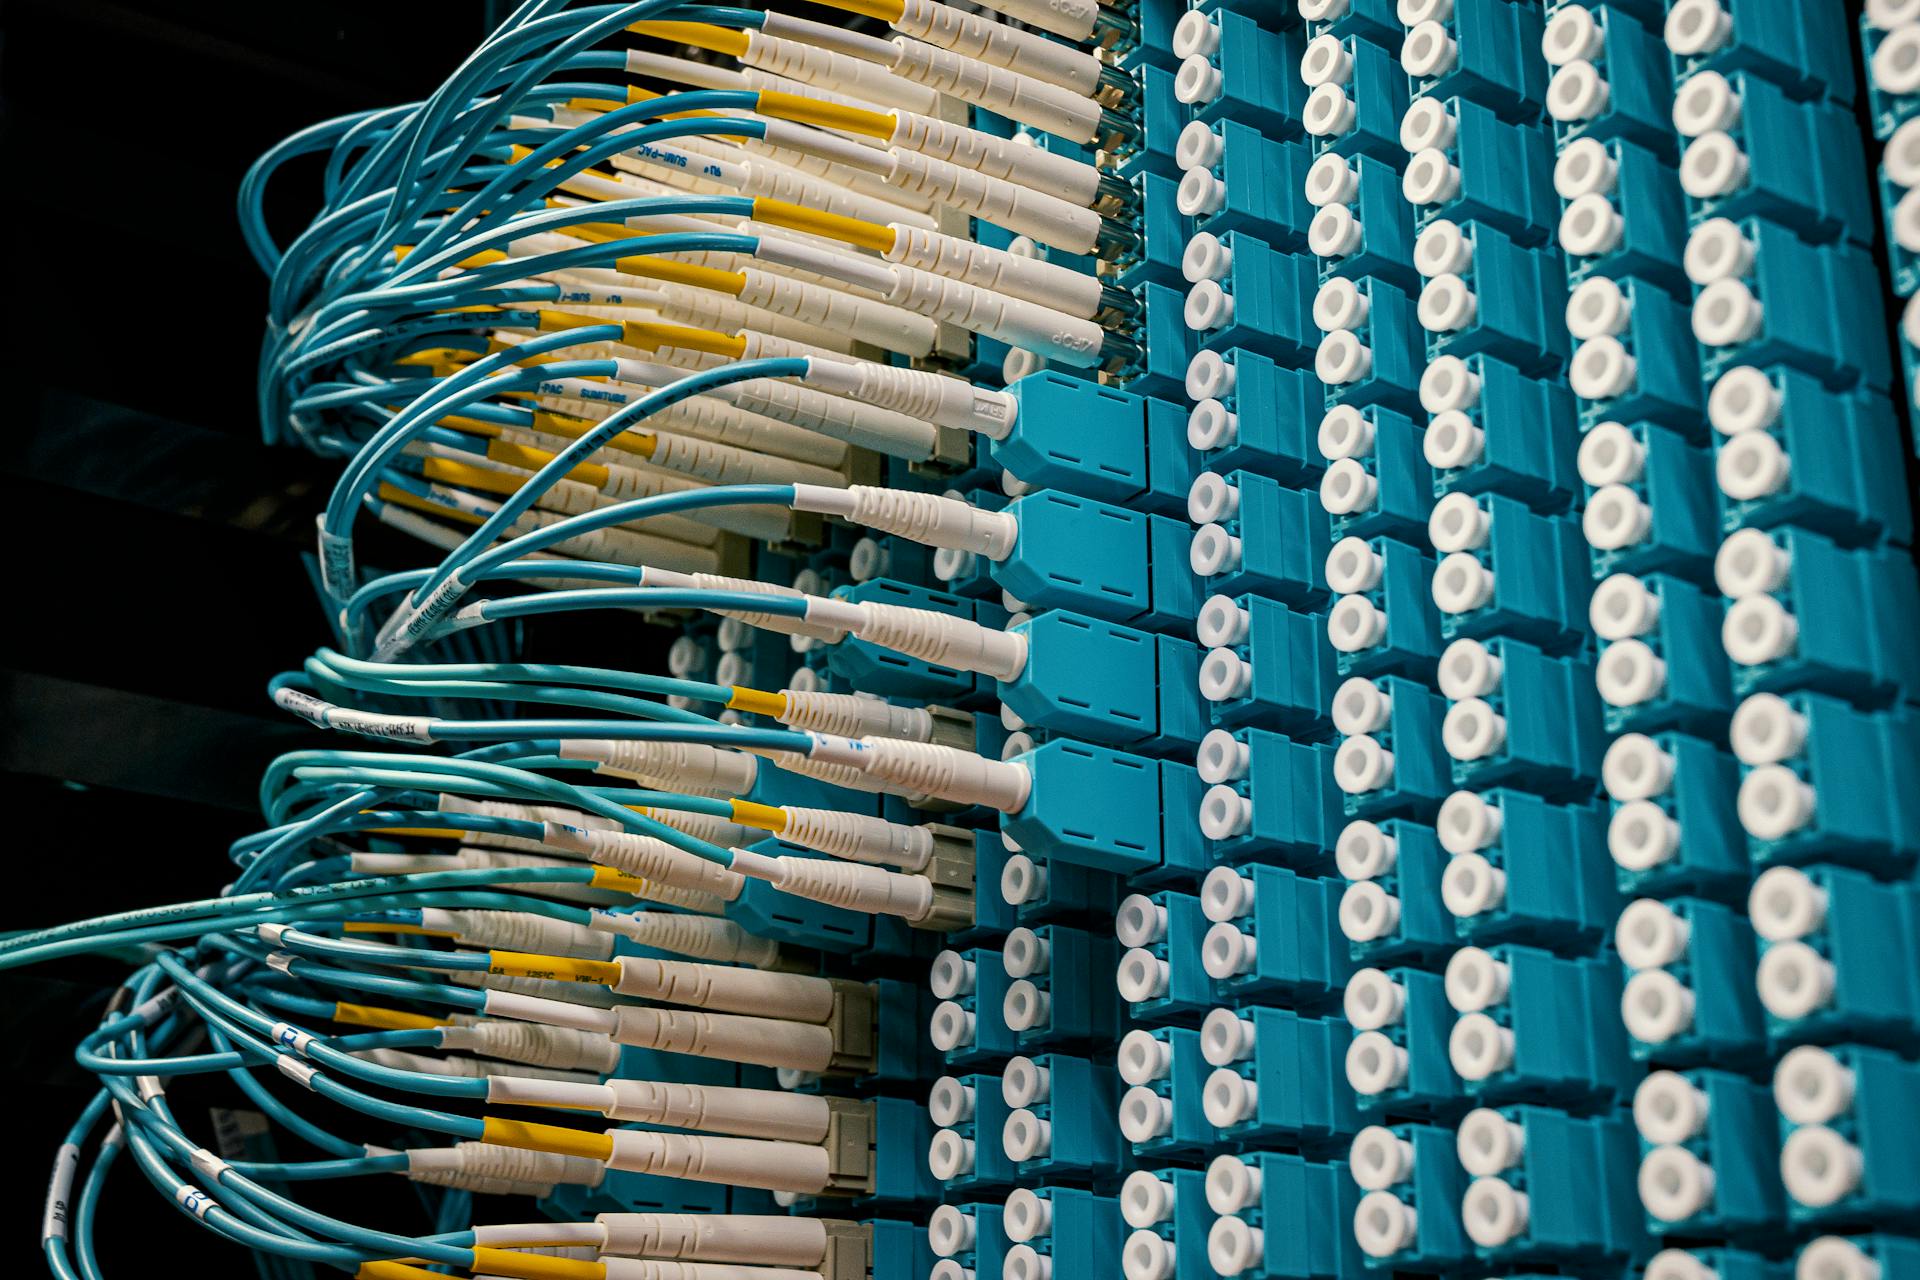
column 1391, row 911
column 1362, row 116
column 967, row 1238
column 1647, row 509
column 1254, row 415
column 1667, row 673
column 1171, row 1220
column 1385, row 621
column 1164, row 231
column 1247, row 180
column 1049, row 1002
column 1397, row 1062
column 1249, row 295
column 1630, row 94
column 1099, row 559
column 1376, row 21
column 965, row 1154
column 902, row 1133
column 1409, row 1214
column 967, row 1026
column 1378, row 483
column 1632, row 360
column 1029, row 890
column 1068, row 1226
column 1672, row 829
column 1708, row 1163
column 1803, row 455
column 1489, row 171
column 1498, row 430
column 1536, row 1027
column 1364, row 225
column 1810, row 614
column 1804, row 49
column 1508, row 571
column 1804, row 169
column 1487, row 294
column 1265, row 663
column 1863, row 1108
column 1623, row 214
column 900, row 1248
column 1276, row 1077
column 1162, row 1113
column 1552, row 1189
column 1836, row 957
column 1373, row 357
column 1157, row 976
column 1260, row 538
column 1521, row 718
column 1167, row 344
column 1264, row 1198
column 1491, row 59
column 1527, row 870
column 1391, row 762
column 1729, row 1264
column 1062, row 1122
column 1823, row 782
column 1268, row 799
column 1276, row 935
column 1103, row 682
column 1690, row 1000
column 1242, row 85
column 1779, row 300
column 1099, row 442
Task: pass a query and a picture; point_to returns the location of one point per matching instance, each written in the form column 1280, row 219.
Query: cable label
column 194, row 1200
column 66, row 1162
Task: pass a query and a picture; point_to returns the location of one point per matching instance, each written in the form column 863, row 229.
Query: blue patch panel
column 1846, row 1117
column 1371, row 352
column 1059, row 1227
column 1508, row 571
column 1061, row 1125
column 1170, row 1220
column 968, row 1239
column 1632, row 359
column 1246, row 294
column 1162, row 1113
column 1103, row 682
column 966, row 1154
column 1384, row 621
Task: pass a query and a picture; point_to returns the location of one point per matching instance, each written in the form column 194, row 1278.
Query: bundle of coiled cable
column 637, row 287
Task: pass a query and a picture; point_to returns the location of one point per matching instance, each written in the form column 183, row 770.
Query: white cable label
column 210, row 1165
column 291, row 1037
column 66, row 1162
column 295, row 1070
column 194, row 1200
